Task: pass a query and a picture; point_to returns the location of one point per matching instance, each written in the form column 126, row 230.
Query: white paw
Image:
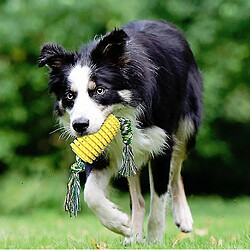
column 138, row 238
column 128, row 241
column 117, row 222
column 155, row 237
column 155, row 231
column 183, row 218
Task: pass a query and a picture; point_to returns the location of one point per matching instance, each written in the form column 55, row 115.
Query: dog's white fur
column 126, row 95
column 84, row 106
column 181, row 211
column 156, row 220
column 146, row 144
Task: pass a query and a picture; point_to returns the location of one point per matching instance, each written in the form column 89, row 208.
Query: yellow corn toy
column 89, row 147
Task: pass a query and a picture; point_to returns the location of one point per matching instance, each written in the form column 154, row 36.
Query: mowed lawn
column 219, row 223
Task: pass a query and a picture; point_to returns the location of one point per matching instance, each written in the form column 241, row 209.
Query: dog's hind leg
column 181, row 211
column 159, row 175
column 106, row 211
column 138, row 209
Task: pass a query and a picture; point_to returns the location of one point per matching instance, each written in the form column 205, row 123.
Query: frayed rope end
column 72, row 199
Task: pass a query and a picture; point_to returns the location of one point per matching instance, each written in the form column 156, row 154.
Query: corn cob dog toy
column 87, row 150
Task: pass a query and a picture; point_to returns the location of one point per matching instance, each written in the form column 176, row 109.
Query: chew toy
column 88, row 148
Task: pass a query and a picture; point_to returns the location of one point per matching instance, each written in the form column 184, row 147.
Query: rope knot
column 126, row 130
column 128, row 167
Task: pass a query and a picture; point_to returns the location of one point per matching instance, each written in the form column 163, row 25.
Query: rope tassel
column 72, row 200
column 128, row 167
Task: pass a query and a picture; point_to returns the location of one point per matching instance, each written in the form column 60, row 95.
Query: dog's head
column 88, row 84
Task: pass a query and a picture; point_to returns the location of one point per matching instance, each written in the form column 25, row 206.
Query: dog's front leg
column 106, row 211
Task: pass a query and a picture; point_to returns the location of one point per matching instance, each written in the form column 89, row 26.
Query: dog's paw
column 155, row 230
column 183, row 218
column 137, row 238
column 125, row 225
column 155, row 237
column 117, row 222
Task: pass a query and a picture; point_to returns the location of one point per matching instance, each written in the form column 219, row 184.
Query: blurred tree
column 218, row 32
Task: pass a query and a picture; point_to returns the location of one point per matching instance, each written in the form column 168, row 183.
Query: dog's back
column 174, row 81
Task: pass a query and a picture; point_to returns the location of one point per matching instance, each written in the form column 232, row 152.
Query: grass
column 219, row 223
column 31, row 216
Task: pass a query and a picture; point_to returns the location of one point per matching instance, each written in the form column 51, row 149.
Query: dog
column 147, row 73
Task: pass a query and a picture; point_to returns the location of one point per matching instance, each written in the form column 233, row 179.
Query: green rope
column 128, row 167
column 72, row 199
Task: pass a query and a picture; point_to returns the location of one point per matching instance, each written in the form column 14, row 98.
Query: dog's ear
column 54, row 56
column 112, row 48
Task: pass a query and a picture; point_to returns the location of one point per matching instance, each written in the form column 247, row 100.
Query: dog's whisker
column 57, row 125
column 52, row 132
column 63, row 134
column 66, row 134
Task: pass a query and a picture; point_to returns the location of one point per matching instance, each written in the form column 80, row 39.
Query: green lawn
column 219, row 223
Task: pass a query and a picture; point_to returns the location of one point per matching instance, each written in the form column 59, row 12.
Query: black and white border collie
column 147, row 73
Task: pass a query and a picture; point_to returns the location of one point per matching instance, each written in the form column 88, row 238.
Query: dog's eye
column 69, row 96
column 100, row 91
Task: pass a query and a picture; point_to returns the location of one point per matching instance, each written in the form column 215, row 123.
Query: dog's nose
column 80, row 125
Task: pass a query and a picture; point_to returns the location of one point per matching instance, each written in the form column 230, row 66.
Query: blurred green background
column 34, row 163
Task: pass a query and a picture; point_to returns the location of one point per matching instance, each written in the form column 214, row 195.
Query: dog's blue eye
column 69, row 96
column 100, row 91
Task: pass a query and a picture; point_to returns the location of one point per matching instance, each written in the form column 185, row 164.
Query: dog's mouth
column 76, row 135
column 84, row 133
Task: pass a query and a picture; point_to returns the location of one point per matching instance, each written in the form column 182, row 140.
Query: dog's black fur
column 152, row 60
